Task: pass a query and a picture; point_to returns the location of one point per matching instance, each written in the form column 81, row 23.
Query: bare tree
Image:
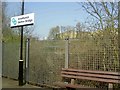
column 105, row 13
column 53, row 32
column 80, row 27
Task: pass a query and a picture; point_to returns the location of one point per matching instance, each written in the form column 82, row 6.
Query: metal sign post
column 21, row 53
column 20, row 21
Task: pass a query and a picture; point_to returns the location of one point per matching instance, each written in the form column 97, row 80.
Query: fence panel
column 46, row 60
column 10, row 59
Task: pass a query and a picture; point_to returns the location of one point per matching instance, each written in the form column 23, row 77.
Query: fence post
column 119, row 35
column 27, row 44
column 67, row 53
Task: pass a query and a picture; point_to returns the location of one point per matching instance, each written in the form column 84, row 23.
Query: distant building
column 71, row 34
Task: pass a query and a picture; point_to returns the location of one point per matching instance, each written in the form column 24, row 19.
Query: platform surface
column 9, row 83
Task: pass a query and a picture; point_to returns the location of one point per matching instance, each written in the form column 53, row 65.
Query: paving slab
column 9, row 83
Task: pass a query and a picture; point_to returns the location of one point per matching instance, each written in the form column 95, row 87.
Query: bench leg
column 110, row 86
column 72, row 81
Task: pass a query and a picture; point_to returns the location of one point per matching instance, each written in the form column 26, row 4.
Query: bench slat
column 91, row 75
column 91, row 78
column 90, row 71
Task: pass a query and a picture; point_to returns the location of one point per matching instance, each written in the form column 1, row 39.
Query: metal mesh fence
column 46, row 61
column 10, row 58
column 95, row 51
column 90, row 51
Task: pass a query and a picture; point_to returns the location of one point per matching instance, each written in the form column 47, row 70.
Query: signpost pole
column 21, row 53
column 21, row 21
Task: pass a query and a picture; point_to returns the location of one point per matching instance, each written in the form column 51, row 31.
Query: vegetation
column 53, row 32
column 95, row 46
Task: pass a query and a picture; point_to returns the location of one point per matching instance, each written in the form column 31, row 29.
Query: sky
column 50, row 14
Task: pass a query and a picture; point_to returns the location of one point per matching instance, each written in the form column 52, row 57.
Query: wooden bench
column 100, row 76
